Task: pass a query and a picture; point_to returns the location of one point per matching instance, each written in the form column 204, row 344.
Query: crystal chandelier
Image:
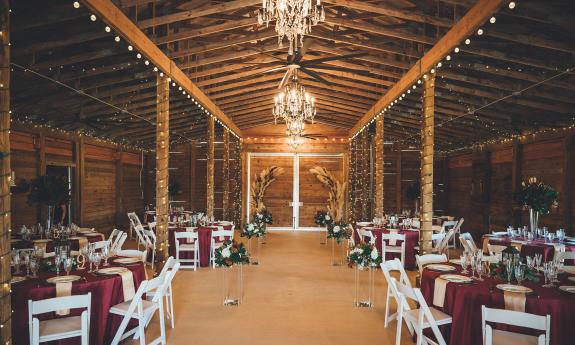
column 294, row 106
column 294, row 18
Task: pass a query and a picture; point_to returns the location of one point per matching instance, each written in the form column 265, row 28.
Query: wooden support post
column 5, row 172
column 364, row 176
column 516, row 181
column 41, row 170
column 162, row 166
column 398, row 177
column 226, row 175
column 210, row 168
column 567, row 196
column 379, row 167
column 119, row 189
column 427, row 138
column 193, row 158
column 445, row 174
column 79, row 178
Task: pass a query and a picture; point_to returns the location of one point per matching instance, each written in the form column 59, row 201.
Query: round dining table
column 18, row 243
column 529, row 248
column 204, row 238
column 106, row 292
column 463, row 303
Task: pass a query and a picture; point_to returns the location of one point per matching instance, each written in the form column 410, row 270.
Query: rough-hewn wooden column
column 566, row 201
column 119, row 190
column 210, row 168
column 516, row 180
column 226, row 175
column 398, row 191
column 427, row 135
column 162, row 165
column 379, row 167
column 5, row 171
column 193, row 158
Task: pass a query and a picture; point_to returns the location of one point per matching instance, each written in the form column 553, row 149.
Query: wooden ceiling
column 228, row 55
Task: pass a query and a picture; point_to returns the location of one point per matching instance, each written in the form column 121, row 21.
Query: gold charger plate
column 17, row 279
column 127, row 261
column 112, row 270
column 63, row 279
column 567, row 288
column 440, row 268
column 514, row 288
column 456, row 278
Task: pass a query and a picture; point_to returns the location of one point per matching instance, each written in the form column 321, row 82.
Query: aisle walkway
column 293, row 297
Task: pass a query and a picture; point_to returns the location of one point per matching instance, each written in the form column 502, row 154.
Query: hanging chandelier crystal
column 294, row 106
column 294, row 19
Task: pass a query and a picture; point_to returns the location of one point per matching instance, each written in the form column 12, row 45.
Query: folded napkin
column 62, row 290
column 393, row 242
column 128, row 284
column 439, row 292
column 514, row 301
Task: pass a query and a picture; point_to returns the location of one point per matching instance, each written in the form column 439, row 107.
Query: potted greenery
column 538, row 197
column 50, row 191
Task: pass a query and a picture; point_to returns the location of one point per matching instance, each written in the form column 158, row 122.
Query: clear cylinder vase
column 364, row 287
column 338, row 251
column 323, row 235
column 254, row 250
column 533, row 220
column 232, row 285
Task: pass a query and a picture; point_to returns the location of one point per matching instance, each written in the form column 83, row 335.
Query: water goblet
column 68, row 263
column 16, row 262
column 106, row 254
column 26, row 260
column 509, row 270
column 520, row 273
column 547, row 274
column 57, row 262
column 479, row 269
column 34, row 267
column 463, row 259
column 97, row 259
column 538, row 259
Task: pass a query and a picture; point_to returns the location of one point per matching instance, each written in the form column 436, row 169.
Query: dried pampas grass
column 336, row 201
column 258, row 188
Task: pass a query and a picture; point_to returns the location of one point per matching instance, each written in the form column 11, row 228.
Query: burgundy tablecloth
column 74, row 244
column 463, row 302
column 205, row 243
column 411, row 240
column 106, row 292
column 537, row 246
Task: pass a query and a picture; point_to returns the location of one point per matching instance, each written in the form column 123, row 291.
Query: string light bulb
column 130, row 48
column 139, row 56
column 117, row 38
column 467, row 41
column 107, row 29
column 512, row 5
column 492, row 20
column 480, row 32
column 93, row 17
column 76, row 4
column 456, row 49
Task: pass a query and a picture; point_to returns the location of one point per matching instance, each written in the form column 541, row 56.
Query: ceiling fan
column 294, row 63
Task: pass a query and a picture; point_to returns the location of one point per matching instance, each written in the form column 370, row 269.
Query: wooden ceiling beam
column 113, row 16
column 475, row 17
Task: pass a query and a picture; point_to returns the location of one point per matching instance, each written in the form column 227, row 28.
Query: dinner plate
column 567, row 288
column 440, row 268
column 63, row 279
column 571, row 279
column 92, row 234
column 455, row 261
column 127, row 261
column 42, row 241
column 569, row 269
column 514, row 288
column 363, row 223
column 456, row 278
column 17, row 279
column 112, row 270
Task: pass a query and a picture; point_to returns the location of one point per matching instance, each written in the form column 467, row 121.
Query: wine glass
column 520, row 273
column 538, row 259
column 548, row 274
column 106, row 253
column 68, row 263
column 16, row 262
column 34, row 266
column 57, row 262
column 26, row 260
column 479, row 268
column 509, row 270
column 97, row 258
column 463, row 259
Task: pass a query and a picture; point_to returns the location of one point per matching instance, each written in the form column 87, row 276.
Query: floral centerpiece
column 364, row 255
column 231, row 253
column 253, row 230
column 538, row 197
column 339, row 231
column 498, row 270
column 322, row 218
column 264, row 217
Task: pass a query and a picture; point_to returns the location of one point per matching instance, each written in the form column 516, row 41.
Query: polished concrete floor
column 294, row 296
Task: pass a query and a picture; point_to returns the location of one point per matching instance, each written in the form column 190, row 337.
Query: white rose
column 374, row 254
column 226, row 252
column 327, row 217
column 251, row 227
column 260, row 215
column 336, row 229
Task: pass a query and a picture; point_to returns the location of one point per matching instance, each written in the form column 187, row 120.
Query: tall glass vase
column 323, row 235
column 50, row 217
column 364, row 287
column 338, row 251
column 254, row 250
column 232, row 285
column 533, row 220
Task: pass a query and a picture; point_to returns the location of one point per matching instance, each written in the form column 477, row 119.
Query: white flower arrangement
column 253, row 230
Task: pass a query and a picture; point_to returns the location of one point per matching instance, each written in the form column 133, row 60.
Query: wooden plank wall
column 548, row 159
column 99, row 190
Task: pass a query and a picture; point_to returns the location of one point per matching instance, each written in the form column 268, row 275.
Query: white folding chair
column 448, row 225
column 467, row 242
column 514, row 318
column 495, row 249
column 365, row 234
column 113, row 236
column 133, row 309
column 217, row 240
column 169, row 268
column 561, row 256
column 99, row 244
column 422, row 318
column 443, row 245
column 133, row 253
column 415, row 223
column 134, row 220
column 151, row 240
column 60, row 328
column 188, row 247
column 387, row 248
column 424, row 260
column 387, row 267
column 119, row 242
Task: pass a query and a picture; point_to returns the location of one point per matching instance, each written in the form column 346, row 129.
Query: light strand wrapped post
column 427, row 138
column 210, row 168
column 379, row 167
column 226, row 168
column 365, row 176
column 162, row 172
column 5, row 171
